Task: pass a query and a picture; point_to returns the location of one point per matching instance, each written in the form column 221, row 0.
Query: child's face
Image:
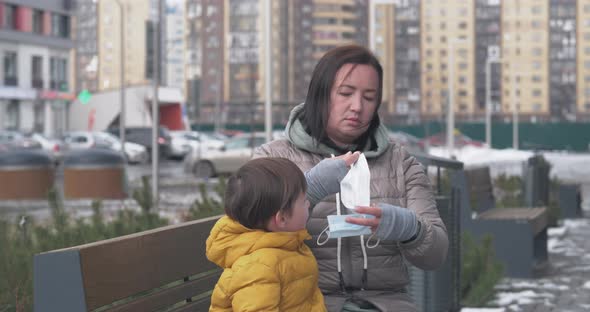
column 299, row 214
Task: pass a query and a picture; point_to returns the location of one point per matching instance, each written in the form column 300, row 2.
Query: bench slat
column 121, row 267
column 171, row 296
column 201, row 305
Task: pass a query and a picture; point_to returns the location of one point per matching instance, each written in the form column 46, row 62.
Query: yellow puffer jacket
column 263, row 271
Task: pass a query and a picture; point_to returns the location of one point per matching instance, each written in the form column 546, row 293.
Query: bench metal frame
column 519, row 243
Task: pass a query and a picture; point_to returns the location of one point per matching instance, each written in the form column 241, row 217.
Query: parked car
column 135, row 153
column 143, row 136
column 440, row 139
column 83, row 140
column 51, row 146
column 14, row 139
column 228, row 159
column 185, row 142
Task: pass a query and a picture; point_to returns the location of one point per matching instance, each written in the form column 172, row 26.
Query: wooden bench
column 519, row 234
column 164, row 268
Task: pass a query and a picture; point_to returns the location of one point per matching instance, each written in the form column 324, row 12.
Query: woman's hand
column 372, row 222
column 325, row 177
column 349, row 158
column 390, row 223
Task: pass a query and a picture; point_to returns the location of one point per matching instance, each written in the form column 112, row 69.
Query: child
column 259, row 244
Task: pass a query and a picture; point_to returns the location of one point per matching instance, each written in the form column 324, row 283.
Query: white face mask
column 355, row 188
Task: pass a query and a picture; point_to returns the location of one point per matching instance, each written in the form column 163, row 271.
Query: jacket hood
column 297, row 135
column 229, row 240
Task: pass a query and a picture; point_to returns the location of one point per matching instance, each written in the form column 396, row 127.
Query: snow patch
column 520, row 298
column 587, row 285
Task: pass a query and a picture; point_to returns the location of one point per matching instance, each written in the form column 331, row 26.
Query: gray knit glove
column 398, row 224
column 324, row 179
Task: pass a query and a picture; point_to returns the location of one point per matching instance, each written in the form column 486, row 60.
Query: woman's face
column 353, row 100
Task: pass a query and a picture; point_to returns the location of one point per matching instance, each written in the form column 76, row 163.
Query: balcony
column 10, row 81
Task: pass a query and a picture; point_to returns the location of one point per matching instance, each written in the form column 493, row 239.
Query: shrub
column 23, row 239
column 480, row 272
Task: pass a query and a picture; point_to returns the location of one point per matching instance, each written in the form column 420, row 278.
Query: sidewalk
column 564, row 286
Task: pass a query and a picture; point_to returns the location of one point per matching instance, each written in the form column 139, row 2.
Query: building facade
column 488, row 38
column 35, row 77
column 407, row 71
column 175, row 46
column 525, row 58
column 448, row 65
column 86, row 70
column 583, row 60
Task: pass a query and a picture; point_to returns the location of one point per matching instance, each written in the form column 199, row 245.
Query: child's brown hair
column 261, row 188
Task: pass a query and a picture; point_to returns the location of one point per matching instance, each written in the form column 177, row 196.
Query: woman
column 340, row 115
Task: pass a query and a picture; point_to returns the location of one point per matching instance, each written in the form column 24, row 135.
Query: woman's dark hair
column 261, row 188
column 317, row 103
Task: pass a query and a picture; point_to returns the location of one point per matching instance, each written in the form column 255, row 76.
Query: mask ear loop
column 327, row 232
column 369, row 240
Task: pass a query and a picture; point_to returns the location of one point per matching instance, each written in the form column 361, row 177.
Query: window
column 38, row 116
column 537, row 92
column 462, row 93
column 55, row 24
column 10, row 69
column 58, row 74
column 38, row 21
column 462, row 65
column 11, row 122
column 9, row 16
column 60, row 25
column 37, row 72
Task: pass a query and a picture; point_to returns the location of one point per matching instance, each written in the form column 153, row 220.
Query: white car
column 135, row 153
column 227, row 159
column 192, row 142
column 52, row 147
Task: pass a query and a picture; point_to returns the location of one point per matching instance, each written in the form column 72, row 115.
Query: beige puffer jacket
column 397, row 179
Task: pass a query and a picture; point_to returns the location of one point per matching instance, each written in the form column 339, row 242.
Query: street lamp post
column 451, row 98
column 268, row 74
column 122, row 114
column 488, row 70
column 514, row 113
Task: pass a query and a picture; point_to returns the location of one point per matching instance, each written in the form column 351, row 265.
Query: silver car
column 225, row 160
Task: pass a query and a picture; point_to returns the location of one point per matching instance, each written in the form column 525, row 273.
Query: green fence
column 560, row 135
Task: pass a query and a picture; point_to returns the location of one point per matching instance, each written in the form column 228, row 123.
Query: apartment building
column 407, row 56
column 174, row 44
column 448, row 58
column 583, row 60
column 86, row 60
column 488, row 39
column 35, row 76
column 135, row 16
column 383, row 47
column 525, row 58
column 562, row 58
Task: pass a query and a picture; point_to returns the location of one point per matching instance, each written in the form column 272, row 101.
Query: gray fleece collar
column 297, row 135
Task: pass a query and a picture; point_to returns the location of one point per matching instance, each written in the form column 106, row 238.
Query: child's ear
column 276, row 222
column 280, row 220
